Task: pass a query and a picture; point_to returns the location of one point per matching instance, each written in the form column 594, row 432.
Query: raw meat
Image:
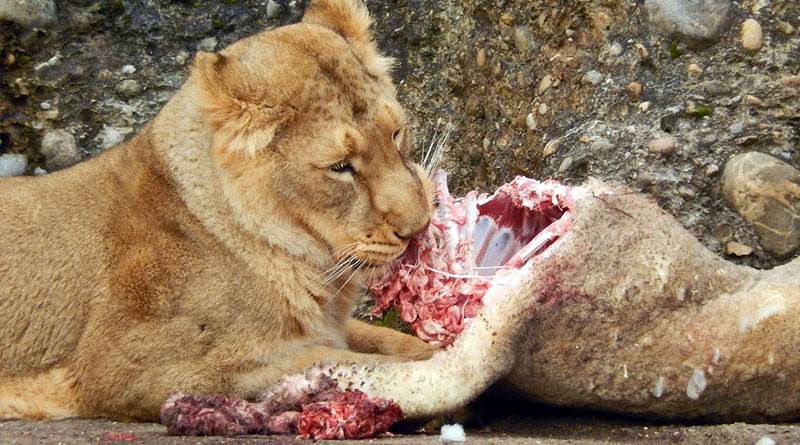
column 440, row 282
column 315, row 410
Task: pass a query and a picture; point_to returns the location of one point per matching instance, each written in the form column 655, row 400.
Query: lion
column 223, row 247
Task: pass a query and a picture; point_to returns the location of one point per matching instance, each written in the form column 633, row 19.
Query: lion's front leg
column 364, row 337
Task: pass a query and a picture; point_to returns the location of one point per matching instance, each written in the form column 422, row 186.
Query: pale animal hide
column 627, row 312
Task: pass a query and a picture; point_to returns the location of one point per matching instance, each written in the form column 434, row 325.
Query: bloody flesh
column 313, row 406
column 439, row 284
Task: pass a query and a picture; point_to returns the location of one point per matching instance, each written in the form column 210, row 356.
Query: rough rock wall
column 656, row 94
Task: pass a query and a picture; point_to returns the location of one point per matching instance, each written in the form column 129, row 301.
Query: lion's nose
column 407, row 235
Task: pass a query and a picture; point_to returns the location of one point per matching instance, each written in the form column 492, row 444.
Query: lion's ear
column 240, row 124
column 351, row 20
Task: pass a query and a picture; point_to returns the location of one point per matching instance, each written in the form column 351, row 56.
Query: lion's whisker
column 342, row 265
column 436, row 148
column 338, row 271
column 343, row 253
column 352, row 274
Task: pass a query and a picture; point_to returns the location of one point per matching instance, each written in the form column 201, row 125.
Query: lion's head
column 311, row 143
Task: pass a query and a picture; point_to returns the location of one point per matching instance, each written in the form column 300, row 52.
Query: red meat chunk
column 323, row 413
column 349, row 415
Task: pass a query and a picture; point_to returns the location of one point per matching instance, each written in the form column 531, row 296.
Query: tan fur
column 46, row 395
column 194, row 257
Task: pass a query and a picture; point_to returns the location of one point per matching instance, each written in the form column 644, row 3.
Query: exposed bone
column 541, row 240
column 498, row 249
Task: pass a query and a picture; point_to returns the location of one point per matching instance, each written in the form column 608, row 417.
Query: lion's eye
column 343, row 167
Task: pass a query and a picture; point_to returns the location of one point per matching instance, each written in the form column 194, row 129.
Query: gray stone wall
column 656, row 94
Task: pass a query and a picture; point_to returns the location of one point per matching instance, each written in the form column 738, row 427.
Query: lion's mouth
column 471, row 241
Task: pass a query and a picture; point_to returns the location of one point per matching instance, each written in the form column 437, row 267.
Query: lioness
column 198, row 255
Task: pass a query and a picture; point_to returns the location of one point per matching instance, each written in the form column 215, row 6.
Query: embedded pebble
column 736, row 128
column 698, row 23
column 128, row 87
column 111, row 136
column 712, row 170
column 746, row 140
column 39, row 171
column 644, row 106
column 601, row 144
column 753, row 100
column 480, row 58
column 708, row 140
column 530, row 121
column 663, row 145
column 522, row 39
column 13, row 164
column 634, row 90
column 273, row 9
column 551, row 147
column 716, row 87
column 29, row 13
column 593, row 77
column 686, row 192
column 545, row 83
column 543, row 108
column 181, row 57
column 790, row 81
column 615, row 49
column 208, row 44
column 765, row 191
column 128, row 69
column 565, row 164
column 766, row 440
column 59, row 149
column 752, row 37
column 737, row 249
column 694, row 68
column 785, row 27
column 643, row 53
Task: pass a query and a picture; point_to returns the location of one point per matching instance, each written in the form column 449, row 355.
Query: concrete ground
column 516, row 424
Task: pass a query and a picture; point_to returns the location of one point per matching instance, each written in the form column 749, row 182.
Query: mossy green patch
column 391, row 319
column 703, row 110
column 674, row 51
column 117, row 8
